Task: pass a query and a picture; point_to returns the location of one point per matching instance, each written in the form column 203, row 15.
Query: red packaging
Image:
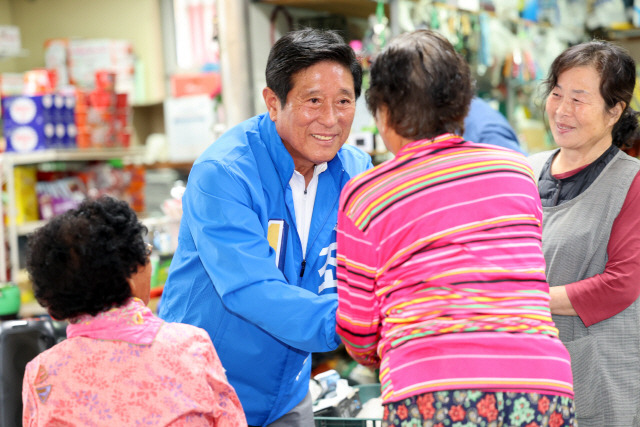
column 102, row 99
column 39, row 82
column 196, row 84
column 105, row 80
column 122, row 100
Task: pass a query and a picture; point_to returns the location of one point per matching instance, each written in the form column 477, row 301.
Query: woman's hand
column 560, row 303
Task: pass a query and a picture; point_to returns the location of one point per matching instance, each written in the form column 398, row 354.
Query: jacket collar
column 421, row 145
column 133, row 322
column 281, row 157
column 276, row 149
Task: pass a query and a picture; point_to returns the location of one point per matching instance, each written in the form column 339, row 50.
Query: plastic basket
column 347, row 422
column 366, row 392
column 9, row 299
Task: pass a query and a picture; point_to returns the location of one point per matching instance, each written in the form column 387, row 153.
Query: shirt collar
column 419, row 145
column 133, row 322
column 317, row 170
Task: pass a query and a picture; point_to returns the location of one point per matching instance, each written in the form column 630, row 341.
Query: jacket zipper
column 304, row 263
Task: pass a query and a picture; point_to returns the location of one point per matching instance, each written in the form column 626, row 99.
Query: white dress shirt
column 303, row 201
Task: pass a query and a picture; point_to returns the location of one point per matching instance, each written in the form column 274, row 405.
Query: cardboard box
column 9, row 40
column 56, row 58
column 25, row 178
column 38, row 122
column 24, row 120
column 26, row 110
column 189, row 122
column 25, row 139
column 196, row 84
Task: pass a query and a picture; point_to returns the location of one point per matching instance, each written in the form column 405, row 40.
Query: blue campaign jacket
column 263, row 318
column 485, row 125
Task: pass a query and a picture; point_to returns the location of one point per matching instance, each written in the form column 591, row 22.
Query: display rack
column 358, row 8
column 8, row 161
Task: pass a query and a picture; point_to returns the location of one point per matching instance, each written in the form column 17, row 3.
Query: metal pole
column 394, row 22
column 235, row 63
column 3, row 234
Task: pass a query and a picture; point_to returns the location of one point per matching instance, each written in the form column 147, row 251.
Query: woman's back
column 450, row 231
column 128, row 367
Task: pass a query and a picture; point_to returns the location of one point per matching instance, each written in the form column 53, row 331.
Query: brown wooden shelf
column 356, row 8
column 170, row 165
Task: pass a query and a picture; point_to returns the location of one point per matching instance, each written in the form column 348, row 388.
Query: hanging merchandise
column 196, row 33
column 379, row 32
column 406, row 9
column 381, row 29
column 570, row 25
column 549, row 12
column 484, row 50
column 501, row 43
column 547, row 44
column 508, row 44
column 530, row 11
column 469, row 31
column 607, row 14
column 507, row 10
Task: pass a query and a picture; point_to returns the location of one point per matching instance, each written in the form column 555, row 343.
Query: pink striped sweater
column 441, row 277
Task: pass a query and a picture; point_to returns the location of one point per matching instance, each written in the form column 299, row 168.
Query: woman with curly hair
column 120, row 364
column 441, row 277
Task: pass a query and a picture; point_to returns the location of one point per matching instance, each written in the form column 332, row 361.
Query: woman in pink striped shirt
column 441, row 279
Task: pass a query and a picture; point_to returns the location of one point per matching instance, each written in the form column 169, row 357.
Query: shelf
column 170, row 165
column 155, row 221
column 132, row 154
column 148, row 103
column 9, row 160
column 619, row 35
column 34, row 309
column 31, row 309
column 151, row 221
column 22, row 53
column 29, row 227
column 357, row 8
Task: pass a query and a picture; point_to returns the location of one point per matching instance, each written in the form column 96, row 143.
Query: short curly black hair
column 424, row 83
column 79, row 262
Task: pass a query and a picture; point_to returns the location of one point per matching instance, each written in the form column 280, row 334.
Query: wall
column 6, row 64
column 260, row 42
column 135, row 20
column 5, row 12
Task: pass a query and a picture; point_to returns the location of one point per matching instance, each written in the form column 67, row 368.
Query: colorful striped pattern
column 441, row 274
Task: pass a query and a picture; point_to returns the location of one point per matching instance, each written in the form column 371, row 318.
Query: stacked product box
column 102, row 116
column 36, row 122
column 77, row 60
column 26, row 207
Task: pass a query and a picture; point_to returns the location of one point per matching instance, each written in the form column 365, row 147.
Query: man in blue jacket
column 255, row 264
column 485, row 125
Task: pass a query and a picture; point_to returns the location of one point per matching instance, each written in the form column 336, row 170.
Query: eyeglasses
column 148, row 248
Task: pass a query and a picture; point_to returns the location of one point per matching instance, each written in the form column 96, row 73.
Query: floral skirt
column 470, row 408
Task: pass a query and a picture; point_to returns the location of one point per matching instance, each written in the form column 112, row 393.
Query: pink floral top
column 127, row 367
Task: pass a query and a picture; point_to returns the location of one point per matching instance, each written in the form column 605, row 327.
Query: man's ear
column 272, row 102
